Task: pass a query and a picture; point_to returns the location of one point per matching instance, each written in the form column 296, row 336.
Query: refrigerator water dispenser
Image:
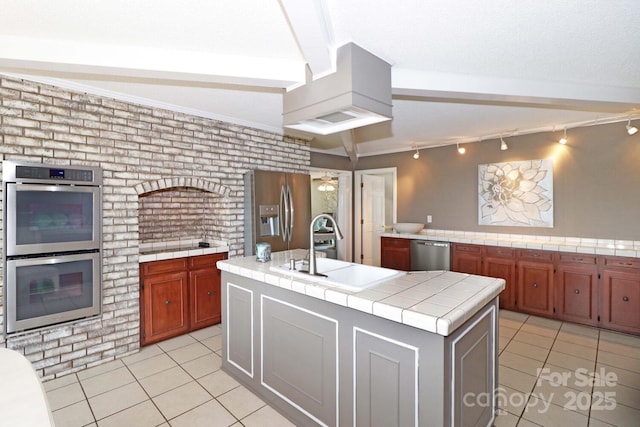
column 269, row 221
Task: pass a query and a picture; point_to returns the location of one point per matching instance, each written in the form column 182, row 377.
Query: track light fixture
column 461, row 150
column 563, row 140
column 503, row 145
column 631, row 130
column 416, row 155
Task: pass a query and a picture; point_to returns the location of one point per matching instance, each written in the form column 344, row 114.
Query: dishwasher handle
column 431, row 243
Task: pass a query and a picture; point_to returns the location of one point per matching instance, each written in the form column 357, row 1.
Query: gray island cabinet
column 416, row 350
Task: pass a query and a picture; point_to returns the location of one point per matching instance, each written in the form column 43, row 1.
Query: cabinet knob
column 209, row 293
column 535, row 285
column 625, row 299
column 167, row 302
column 577, row 291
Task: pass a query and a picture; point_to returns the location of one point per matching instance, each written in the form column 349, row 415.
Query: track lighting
column 503, row 145
column 631, row 130
column 416, row 155
column 563, row 140
column 461, row 150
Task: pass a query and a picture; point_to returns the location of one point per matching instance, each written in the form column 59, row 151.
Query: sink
column 342, row 274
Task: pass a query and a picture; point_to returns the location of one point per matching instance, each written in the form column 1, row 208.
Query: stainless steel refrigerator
column 277, row 210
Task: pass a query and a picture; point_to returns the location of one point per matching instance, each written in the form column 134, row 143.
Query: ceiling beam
column 21, row 54
column 443, row 87
column 309, row 23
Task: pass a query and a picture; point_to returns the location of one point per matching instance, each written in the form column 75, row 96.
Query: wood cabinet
column 500, row 262
column 178, row 295
column 467, row 258
column 620, row 294
column 396, row 253
column 596, row 290
column 576, row 286
column 535, row 282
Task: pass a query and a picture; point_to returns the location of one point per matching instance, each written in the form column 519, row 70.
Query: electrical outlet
column 429, row 219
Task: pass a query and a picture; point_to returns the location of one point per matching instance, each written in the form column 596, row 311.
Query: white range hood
column 357, row 94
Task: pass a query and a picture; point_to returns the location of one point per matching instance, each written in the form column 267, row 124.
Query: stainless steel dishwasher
column 427, row 255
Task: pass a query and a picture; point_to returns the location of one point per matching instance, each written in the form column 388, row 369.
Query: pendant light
column 461, row 150
column 631, row 130
column 416, row 155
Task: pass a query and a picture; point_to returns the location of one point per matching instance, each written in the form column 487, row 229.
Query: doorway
column 375, row 211
column 332, row 193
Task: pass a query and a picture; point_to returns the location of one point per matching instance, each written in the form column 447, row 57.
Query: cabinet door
column 385, row 377
column 204, row 297
column 166, row 305
column 396, row 253
column 299, row 358
column 535, row 287
column 503, row 268
column 621, row 300
column 576, row 293
column 467, row 258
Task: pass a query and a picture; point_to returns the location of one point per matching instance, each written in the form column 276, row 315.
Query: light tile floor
column 175, row 383
column 551, row 374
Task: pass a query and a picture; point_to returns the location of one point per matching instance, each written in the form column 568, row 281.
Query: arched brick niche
column 171, row 209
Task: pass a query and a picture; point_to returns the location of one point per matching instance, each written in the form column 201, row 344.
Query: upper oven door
column 52, row 218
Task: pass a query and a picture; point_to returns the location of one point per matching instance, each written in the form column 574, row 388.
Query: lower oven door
column 44, row 291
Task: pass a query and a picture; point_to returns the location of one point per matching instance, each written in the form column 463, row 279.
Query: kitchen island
column 419, row 349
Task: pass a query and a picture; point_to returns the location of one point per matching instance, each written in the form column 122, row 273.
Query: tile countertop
column 435, row 301
column 178, row 249
column 624, row 248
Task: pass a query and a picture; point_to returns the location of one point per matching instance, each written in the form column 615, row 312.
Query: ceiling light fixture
column 416, row 155
column 461, row 150
column 631, row 130
column 326, row 183
column 503, row 145
column 563, row 140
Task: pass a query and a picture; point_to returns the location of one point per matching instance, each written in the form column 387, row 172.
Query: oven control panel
column 51, row 173
column 22, row 172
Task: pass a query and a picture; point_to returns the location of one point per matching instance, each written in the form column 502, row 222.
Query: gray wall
column 596, row 182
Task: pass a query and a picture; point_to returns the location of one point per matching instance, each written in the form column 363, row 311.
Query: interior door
column 373, row 218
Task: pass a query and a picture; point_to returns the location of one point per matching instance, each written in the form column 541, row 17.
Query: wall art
column 516, row 193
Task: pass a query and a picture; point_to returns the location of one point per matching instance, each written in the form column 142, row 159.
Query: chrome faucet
column 312, row 251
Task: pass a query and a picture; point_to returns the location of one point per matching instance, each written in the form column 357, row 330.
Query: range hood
column 357, row 94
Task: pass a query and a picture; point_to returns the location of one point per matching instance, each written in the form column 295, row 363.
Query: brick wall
column 151, row 159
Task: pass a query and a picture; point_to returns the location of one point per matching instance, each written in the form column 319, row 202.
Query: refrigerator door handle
column 284, row 214
column 291, row 211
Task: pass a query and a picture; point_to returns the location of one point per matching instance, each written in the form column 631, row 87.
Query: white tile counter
column 178, row 249
column 434, row 301
column 624, row 248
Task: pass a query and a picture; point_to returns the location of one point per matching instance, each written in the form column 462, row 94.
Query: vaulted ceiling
column 461, row 71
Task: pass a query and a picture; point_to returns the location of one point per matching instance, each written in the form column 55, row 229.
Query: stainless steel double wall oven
column 52, row 244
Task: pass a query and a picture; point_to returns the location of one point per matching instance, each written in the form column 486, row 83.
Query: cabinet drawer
column 392, row 242
column 622, row 262
column 500, row 252
column 568, row 258
column 205, row 261
column 164, row 266
column 465, row 248
column 535, row 255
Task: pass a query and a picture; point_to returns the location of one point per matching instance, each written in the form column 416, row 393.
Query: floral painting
column 516, row 193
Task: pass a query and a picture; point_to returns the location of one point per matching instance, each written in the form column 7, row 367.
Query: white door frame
column 389, row 173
